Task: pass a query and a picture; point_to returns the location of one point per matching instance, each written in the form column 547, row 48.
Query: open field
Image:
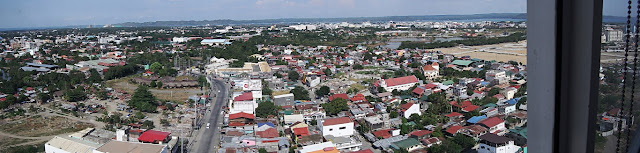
column 176, row 94
column 499, row 52
column 37, row 126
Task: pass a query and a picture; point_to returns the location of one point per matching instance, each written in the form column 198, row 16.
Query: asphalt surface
column 208, row 139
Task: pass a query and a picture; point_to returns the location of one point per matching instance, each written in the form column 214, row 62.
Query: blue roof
column 484, row 83
column 213, row 40
column 267, row 123
column 476, row 119
column 513, row 101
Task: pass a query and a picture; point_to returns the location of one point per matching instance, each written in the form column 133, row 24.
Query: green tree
column 153, row 84
column 155, row 67
column 493, row 91
column 393, row 114
column 358, row 67
column 293, row 75
column 324, row 90
column 265, row 109
column 327, row 72
column 94, row 76
column 437, row 132
column 143, row 100
column 262, row 150
column 75, row 95
column 464, row 141
column 159, row 84
column 335, row 106
column 299, row 93
column 147, row 124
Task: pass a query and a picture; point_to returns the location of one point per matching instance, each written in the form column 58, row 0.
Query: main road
column 208, row 139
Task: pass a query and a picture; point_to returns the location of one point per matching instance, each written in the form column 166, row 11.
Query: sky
column 51, row 13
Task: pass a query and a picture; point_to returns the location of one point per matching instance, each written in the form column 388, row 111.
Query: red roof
column 236, row 124
column 335, row 121
column 153, row 136
column 430, row 86
column 491, row 122
column 302, row 131
column 420, row 133
column 453, row 129
column 358, row 97
column 247, row 96
column 241, row 115
column 363, row 151
column 406, row 106
column 401, row 80
column 460, row 105
column 470, row 108
column 428, row 68
column 382, row 133
column 418, row 91
column 454, row 114
column 343, row 96
column 431, row 140
column 269, row 133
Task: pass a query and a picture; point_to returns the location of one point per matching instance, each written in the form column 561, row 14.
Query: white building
column 242, row 103
column 131, row 147
column 179, row 39
column 319, row 148
column 63, row 144
column 509, row 92
column 313, row 81
column 410, row 108
column 492, row 143
column 215, row 42
column 431, row 71
column 495, row 74
column 339, row 127
column 400, row 83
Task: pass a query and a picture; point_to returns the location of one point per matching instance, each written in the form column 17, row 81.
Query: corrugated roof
column 461, row 62
column 72, row 144
column 492, row 121
column 401, row 80
column 130, row 147
column 153, row 136
column 407, row 143
column 493, row 138
column 335, row 121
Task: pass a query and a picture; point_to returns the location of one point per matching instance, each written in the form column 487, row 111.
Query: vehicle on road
column 208, row 125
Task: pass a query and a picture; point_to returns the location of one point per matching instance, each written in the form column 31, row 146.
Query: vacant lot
column 37, row 126
column 178, row 94
column 499, row 52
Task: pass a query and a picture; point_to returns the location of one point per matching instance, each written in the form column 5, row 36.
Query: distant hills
column 474, row 17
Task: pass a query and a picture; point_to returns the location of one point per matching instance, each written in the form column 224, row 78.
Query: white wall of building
column 338, row 130
column 509, row 148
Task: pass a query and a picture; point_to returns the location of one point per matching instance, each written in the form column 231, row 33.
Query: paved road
column 208, row 140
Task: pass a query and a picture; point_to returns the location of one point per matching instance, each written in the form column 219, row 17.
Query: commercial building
column 400, row 83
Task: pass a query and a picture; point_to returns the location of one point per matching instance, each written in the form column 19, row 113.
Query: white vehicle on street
column 208, row 125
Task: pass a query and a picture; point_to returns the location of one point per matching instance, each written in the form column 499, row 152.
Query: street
column 208, row 139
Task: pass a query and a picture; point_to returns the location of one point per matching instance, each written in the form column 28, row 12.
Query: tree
column 159, row 84
column 464, row 141
column 324, row 90
column 299, row 93
column 94, row 76
column 143, row 100
column 153, row 84
column 262, row 150
column 43, row 97
column 327, row 72
column 313, row 122
column 293, row 75
column 393, row 114
column 155, row 67
column 148, row 124
column 265, row 109
column 493, row 91
column 358, row 67
column 75, row 95
column 335, row 106
column 437, row 132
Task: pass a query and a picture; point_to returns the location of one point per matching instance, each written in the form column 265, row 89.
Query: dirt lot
column 499, row 52
column 178, row 95
column 43, row 126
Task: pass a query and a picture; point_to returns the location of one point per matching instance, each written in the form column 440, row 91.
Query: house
column 464, row 106
column 431, row 72
column 326, row 147
column 428, row 142
column 495, row 74
column 400, row 83
column 128, row 147
column 341, row 126
column 344, row 143
column 453, row 130
column 420, row 134
column 240, row 119
column 495, row 124
column 509, row 92
column 283, row 100
column 336, row 96
column 268, row 133
column 473, row 131
column 492, row 143
column 409, row 144
column 376, row 122
column 410, row 108
column 462, row 63
column 243, row 102
column 153, row 136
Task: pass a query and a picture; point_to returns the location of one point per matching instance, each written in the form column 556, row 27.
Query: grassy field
column 43, row 126
column 474, row 51
column 177, row 94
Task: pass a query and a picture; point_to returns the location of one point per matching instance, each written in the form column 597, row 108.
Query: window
column 342, row 128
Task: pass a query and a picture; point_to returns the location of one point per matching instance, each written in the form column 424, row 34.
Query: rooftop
column 401, row 80
column 130, row 147
column 335, row 121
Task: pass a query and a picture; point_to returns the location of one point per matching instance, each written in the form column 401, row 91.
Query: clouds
column 36, row 13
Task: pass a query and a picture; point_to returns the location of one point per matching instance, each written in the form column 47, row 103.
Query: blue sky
column 43, row 13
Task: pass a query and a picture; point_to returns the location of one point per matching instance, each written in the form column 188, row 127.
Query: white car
column 208, row 125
